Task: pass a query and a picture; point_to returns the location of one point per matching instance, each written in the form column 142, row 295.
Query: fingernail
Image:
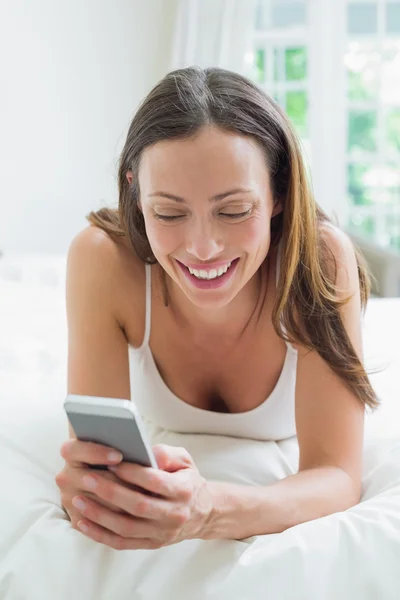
column 78, row 503
column 113, row 469
column 89, row 481
column 82, row 526
column 115, row 456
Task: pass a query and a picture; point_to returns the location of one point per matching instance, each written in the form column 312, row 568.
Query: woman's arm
column 330, row 427
column 97, row 347
column 242, row 511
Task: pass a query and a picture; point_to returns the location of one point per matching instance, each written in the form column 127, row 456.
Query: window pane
column 362, row 18
column 260, row 16
column 387, row 178
column 393, row 130
column 374, row 184
column 296, row 64
column 393, row 230
column 359, row 187
column 259, row 66
column 391, row 204
column 286, row 13
column 393, row 17
column 362, row 62
column 390, row 87
column 362, row 130
column 296, row 109
column 290, row 64
column 362, row 222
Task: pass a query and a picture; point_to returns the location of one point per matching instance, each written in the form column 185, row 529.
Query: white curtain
column 214, row 33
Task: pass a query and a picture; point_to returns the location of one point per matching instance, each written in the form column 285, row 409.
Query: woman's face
column 207, row 206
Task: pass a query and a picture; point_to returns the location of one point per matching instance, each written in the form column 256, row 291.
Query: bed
column 353, row 554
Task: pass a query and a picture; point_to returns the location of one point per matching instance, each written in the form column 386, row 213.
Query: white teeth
column 212, row 274
column 223, row 270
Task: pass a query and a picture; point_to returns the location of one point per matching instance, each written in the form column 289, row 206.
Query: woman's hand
column 174, row 503
column 79, row 456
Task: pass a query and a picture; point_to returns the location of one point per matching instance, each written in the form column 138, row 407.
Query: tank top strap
column 148, row 306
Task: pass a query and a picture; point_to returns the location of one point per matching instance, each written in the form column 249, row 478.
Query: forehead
column 212, row 156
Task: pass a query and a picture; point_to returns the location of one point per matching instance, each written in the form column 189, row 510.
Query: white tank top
column 274, row 419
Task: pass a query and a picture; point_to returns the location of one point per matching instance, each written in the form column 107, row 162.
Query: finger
column 103, row 536
column 125, row 526
column 91, row 453
column 133, row 502
column 171, row 458
column 70, row 483
column 156, row 481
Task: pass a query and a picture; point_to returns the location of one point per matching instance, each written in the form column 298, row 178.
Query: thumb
column 171, row 458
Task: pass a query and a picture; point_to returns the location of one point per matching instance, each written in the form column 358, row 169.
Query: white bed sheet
column 352, row 554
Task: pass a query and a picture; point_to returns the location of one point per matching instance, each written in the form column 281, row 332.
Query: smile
column 208, row 279
column 209, row 274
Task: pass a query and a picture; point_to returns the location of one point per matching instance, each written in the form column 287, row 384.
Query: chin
column 210, row 303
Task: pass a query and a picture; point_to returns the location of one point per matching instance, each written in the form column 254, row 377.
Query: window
column 280, row 60
column 342, row 58
column 372, row 63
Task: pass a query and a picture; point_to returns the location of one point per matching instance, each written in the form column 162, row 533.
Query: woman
column 222, row 298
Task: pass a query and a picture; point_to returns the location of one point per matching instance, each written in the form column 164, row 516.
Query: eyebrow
column 215, row 198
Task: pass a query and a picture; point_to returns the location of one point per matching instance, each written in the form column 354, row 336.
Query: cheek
column 163, row 239
column 256, row 233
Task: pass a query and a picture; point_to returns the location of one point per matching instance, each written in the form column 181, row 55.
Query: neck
column 225, row 324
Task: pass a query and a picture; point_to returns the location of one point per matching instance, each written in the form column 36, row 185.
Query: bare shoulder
column 115, row 272
column 97, row 245
column 343, row 255
column 341, row 268
column 335, row 237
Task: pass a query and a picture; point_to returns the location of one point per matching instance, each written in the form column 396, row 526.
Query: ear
column 129, row 176
column 278, row 208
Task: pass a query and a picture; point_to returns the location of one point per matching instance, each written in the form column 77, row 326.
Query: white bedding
column 350, row 555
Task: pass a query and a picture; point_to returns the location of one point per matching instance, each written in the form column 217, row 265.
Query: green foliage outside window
column 393, row 130
column 360, row 194
column 373, row 185
column 259, row 66
column 290, row 65
column 362, row 130
column 296, row 109
column 361, row 88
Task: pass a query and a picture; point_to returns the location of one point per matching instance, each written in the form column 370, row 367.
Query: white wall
column 72, row 73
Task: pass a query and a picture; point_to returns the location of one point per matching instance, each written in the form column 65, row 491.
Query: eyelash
column 231, row 216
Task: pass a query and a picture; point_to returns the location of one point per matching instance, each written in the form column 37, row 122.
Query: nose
column 204, row 241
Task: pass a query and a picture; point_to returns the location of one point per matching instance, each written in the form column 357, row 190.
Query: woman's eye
column 168, row 217
column 229, row 215
column 236, row 215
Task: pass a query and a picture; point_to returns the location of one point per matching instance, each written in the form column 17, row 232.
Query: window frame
column 325, row 36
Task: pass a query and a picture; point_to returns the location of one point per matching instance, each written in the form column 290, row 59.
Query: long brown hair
column 182, row 103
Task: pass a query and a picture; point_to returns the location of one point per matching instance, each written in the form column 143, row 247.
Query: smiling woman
column 221, row 128
column 236, row 300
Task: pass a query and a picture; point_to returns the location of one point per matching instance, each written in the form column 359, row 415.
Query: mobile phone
column 112, row 422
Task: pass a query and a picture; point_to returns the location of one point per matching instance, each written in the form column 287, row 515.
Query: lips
column 207, row 266
column 209, row 284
